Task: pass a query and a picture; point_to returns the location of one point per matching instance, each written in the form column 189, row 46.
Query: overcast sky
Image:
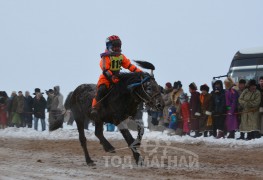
column 58, row 42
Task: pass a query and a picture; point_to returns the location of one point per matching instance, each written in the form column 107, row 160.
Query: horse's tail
column 145, row 64
column 54, row 125
column 67, row 103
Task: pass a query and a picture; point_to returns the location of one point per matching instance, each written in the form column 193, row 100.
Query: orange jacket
column 112, row 64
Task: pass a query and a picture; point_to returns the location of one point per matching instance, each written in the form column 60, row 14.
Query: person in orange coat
column 111, row 62
column 185, row 113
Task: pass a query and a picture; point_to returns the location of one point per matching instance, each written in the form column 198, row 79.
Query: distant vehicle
column 247, row 64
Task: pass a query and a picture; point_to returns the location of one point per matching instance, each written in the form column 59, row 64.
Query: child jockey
column 111, row 62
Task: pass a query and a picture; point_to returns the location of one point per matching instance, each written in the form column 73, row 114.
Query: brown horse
column 120, row 103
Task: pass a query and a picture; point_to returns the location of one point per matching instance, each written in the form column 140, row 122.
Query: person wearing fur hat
column 218, row 109
column 195, row 109
column 175, row 96
column 231, row 107
column 205, row 120
column 250, row 101
column 167, row 102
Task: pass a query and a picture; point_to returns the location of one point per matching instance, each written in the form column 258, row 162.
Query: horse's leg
column 140, row 129
column 130, row 141
column 82, row 139
column 99, row 134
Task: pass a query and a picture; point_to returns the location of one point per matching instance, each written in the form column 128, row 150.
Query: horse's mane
column 125, row 80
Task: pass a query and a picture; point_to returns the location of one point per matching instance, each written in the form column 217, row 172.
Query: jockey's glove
column 115, row 79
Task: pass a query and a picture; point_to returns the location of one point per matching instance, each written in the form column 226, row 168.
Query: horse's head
column 147, row 89
column 150, row 93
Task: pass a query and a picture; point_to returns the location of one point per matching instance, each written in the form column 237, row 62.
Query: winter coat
column 39, row 106
column 206, row 106
column 57, row 101
column 195, row 108
column 18, row 104
column 250, row 101
column 231, row 109
column 167, row 103
column 173, row 122
column 218, row 102
column 49, row 102
column 185, row 112
column 28, row 106
column 261, row 92
column 3, row 110
column 261, row 113
column 175, row 95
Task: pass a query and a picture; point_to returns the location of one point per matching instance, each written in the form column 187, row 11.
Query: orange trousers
column 102, row 80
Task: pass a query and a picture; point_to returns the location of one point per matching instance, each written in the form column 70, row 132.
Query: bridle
column 147, row 101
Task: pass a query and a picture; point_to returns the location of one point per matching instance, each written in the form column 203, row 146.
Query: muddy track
column 61, row 159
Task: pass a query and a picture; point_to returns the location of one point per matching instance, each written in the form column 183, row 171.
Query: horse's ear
column 151, row 73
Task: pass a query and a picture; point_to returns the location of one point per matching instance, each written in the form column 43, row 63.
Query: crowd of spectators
column 23, row 110
column 229, row 108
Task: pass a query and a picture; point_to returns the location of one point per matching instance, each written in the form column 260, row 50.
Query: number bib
column 116, row 62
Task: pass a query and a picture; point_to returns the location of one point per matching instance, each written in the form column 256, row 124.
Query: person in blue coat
column 172, row 116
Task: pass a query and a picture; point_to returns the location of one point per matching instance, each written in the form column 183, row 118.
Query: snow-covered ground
column 71, row 132
column 29, row 154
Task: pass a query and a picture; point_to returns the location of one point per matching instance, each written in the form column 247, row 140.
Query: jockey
column 111, row 62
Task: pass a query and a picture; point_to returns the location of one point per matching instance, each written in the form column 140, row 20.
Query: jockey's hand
column 115, row 79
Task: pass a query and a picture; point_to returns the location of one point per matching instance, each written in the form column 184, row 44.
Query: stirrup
column 94, row 113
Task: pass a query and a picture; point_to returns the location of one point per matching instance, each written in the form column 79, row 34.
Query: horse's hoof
column 140, row 161
column 91, row 163
column 110, row 150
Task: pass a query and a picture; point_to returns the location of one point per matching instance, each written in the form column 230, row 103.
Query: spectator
column 28, row 110
column 167, row 102
column 241, row 88
column 39, row 105
column 3, row 109
column 185, row 113
column 173, row 120
column 57, row 107
column 218, row 109
column 260, row 88
column 9, row 108
column 195, row 109
column 206, row 107
column 231, row 107
column 50, row 95
column 18, row 110
column 250, row 101
column 176, row 94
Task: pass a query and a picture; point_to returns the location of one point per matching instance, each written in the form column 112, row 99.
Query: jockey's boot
column 94, row 110
column 101, row 92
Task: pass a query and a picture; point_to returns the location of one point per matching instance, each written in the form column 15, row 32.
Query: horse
column 117, row 105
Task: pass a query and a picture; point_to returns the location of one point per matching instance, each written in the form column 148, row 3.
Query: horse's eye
column 149, row 89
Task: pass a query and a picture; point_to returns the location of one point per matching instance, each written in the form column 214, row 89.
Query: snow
column 71, row 132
